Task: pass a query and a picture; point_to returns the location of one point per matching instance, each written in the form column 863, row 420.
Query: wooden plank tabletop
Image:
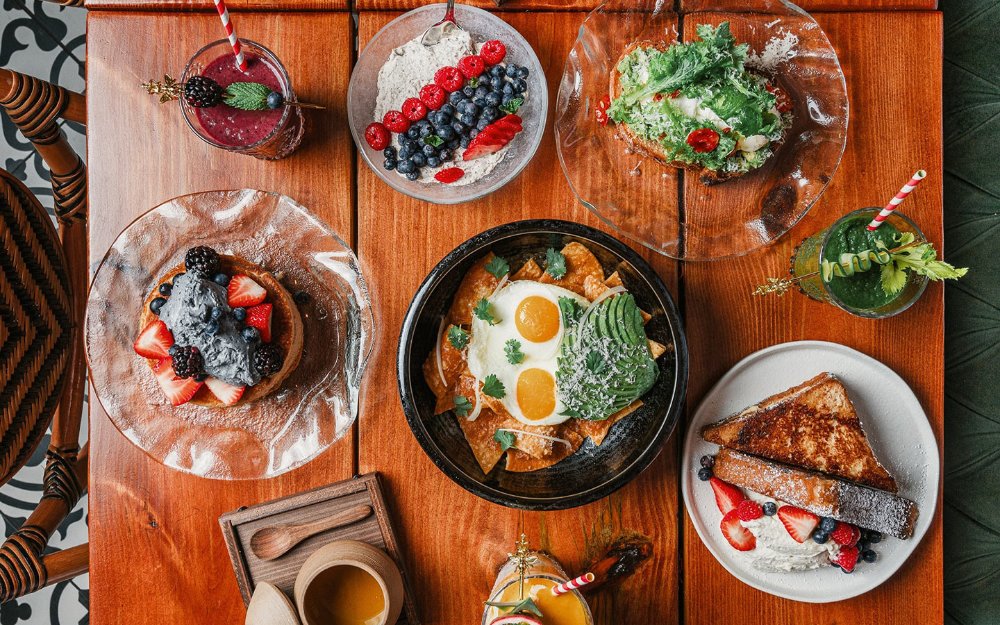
column 157, row 553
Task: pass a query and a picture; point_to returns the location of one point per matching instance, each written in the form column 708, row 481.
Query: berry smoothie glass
column 269, row 134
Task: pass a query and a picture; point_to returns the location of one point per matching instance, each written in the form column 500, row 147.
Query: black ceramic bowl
column 592, row 472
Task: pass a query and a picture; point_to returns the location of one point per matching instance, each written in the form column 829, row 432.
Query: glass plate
column 318, row 402
column 484, row 26
column 652, row 203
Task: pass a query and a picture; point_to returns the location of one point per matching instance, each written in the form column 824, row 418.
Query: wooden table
column 157, row 555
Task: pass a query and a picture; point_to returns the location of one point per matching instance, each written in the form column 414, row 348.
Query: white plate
column 896, row 427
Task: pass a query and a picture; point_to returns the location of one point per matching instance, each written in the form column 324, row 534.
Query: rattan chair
column 43, row 288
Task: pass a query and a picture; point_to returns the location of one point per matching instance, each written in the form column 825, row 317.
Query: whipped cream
column 777, row 551
column 408, row 69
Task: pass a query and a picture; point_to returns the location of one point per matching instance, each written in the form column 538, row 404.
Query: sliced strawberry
column 414, row 110
column 178, row 390
column 449, row 79
column 493, row 138
column 154, row 341
column 846, row 558
column 449, row 175
column 472, row 66
column 225, row 392
column 738, row 536
column 259, row 317
column 799, row 523
column 377, row 136
column 244, row 292
column 493, row 52
column 749, row 510
column 433, row 96
column 727, row 496
column 396, row 122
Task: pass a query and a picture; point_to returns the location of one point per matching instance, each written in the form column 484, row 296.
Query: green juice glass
column 861, row 293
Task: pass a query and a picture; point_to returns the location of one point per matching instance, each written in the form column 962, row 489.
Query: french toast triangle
column 813, row 425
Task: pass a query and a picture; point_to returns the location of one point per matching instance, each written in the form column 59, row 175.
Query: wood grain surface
column 889, row 138
column 451, row 538
column 159, row 554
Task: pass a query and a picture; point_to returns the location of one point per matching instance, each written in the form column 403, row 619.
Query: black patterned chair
column 43, row 288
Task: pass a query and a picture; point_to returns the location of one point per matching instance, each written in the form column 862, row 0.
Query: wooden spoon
column 273, row 542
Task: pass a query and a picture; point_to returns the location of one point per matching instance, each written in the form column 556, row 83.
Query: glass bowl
column 363, row 90
column 313, row 407
column 592, row 472
column 668, row 209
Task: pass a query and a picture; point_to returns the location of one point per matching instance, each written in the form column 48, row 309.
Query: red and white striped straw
column 241, row 62
column 898, row 199
column 572, row 584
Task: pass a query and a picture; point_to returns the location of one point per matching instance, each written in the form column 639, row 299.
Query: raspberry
column 377, row 136
column 414, row 109
column 844, row 534
column 749, row 510
column 493, row 52
column 449, row 79
column 433, row 97
column 396, row 122
column 472, row 66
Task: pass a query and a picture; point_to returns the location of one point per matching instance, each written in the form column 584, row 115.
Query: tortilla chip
column 597, row 431
column 580, row 263
column 452, row 365
column 593, row 287
column 520, row 462
column 476, row 284
column 479, row 434
column 614, row 280
column 532, row 445
column 656, row 349
column 528, row 271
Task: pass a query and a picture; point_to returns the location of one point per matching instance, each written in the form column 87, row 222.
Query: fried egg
column 526, row 312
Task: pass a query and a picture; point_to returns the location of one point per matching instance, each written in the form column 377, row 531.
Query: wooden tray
column 239, row 525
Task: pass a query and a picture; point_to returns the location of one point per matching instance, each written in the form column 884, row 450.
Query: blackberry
column 188, row 362
column 267, row 360
column 202, row 92
column 202, row 260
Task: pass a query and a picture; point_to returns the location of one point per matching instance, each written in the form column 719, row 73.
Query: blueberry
column 482, row 124
column 423, row 123
column 468, row 92
column 221, row 279
column 497, row 71
column 156, row 305
column 173, row 349
column 405, row 167
column 508, row 89
column 820, row 537
column 301, row 297
column 216, row 313
column 275, row 100
column 469, row 119
column 827, row 524
column 413, row 133
column 454, row 143
column 405, row 153
column 520, row 86
column 430, row 150
column 473, row 133
column 511, row 70
column 239, row 314
column 770, row 508
column 493, row 99
column 480, row 102
column 464, row 142
column 868, row 555
column 447, row 109
column 418, row 160
column 201, row 377
column 413, row 175
column 250, row 335
column 426, row 131
column 389, row 152
column 704, row 474
column 448, row 132
column 433, row 161
column 455, row 98
column 707, row 461
column 522, row 72
column 496, row 83
column 174, row 281
column 212, row 328
column 389, row 164
column 874, row 537
column 165, row 288
column 445, row 155
column 491, row 113
column 507, row 97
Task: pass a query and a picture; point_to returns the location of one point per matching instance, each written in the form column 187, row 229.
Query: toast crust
column 287, row 331
column 822, row 495
column 813, row 425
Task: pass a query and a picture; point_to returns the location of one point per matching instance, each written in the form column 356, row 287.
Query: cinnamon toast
column 865, row 507
column 813, row 425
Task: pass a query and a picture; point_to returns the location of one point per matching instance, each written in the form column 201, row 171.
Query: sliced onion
column 554, row 439
column 500, row 285
column 437, row 353
column 479, row 405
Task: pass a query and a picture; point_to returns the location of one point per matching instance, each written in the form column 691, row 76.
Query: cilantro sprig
column 484, row 311
column 458, row 337
column 506, row 439
column 493, row 387
column 498, row 267
column 555, row 264
column 512, row 348
column 462, row 405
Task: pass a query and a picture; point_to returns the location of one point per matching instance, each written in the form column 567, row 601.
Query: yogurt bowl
column 396, row 47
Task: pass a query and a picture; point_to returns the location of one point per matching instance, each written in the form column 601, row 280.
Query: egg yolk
column 536, row 393
column 537, row 319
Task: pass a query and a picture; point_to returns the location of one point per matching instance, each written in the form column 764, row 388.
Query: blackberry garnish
column 202, row 92
column 267, row 360
column 202, row 260
column 188, row 362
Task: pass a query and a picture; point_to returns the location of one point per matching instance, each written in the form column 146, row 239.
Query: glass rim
column 286, row 88
column 551, row 577
column 872, row 314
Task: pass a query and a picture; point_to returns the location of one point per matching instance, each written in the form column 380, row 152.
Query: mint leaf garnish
column 512, row 105
column 523, row 606
column 434, row 140
column 555, row 264
column 493, row 387
column 484, row 311
column 462, row 406
column 458, row 337
column 498, row 267
column 248, row 96
column 505, row 438
column 513, row 350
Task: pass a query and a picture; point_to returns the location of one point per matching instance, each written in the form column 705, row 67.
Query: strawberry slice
column 493, row 138
column 259, row 317
column 154, row 341
column 846, row 558
column 178, row 390
column 727, row 496
column 225, row 392
column 799, row 523
column 449, row 175
column 748, row 510
column 244, row 292
column 738, row 536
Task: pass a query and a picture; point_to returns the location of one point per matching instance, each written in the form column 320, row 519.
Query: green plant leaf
column 555, row 263
column 523, row 606
column 434, row 140
column 462, row 406
column 512, row 348
column 484, row 311
column 512, row 105
column 493, row 387
column 248, row 96
column 893, row 279
column 571, row 310
column 458, row 337
column 498, row 267
column 506, row 439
